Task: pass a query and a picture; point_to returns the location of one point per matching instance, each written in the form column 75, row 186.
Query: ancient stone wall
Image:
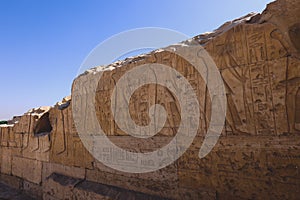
column 257, row 155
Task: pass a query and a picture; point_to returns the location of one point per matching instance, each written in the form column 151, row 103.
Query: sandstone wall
column 257, row 155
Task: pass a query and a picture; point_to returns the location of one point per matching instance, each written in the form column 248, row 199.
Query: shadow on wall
column 43, row 126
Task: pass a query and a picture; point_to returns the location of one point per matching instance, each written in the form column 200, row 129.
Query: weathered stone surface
column 27, row 169
column 259, row 62
column 9, row 138
column 49, row 168
column 161, row 188
column 145, row 182
column 67, row 148
column 36, row 147
column 63, row 187
column 92, row 190
column 6, row 160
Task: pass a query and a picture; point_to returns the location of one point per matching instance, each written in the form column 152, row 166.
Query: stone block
column 36, row 147
column 66, row 146
column 28, row 169
column 6, row 160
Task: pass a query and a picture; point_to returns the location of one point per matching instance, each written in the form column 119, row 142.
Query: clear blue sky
column 43, row 43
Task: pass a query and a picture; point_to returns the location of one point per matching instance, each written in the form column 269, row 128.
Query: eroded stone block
column 28, row 169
